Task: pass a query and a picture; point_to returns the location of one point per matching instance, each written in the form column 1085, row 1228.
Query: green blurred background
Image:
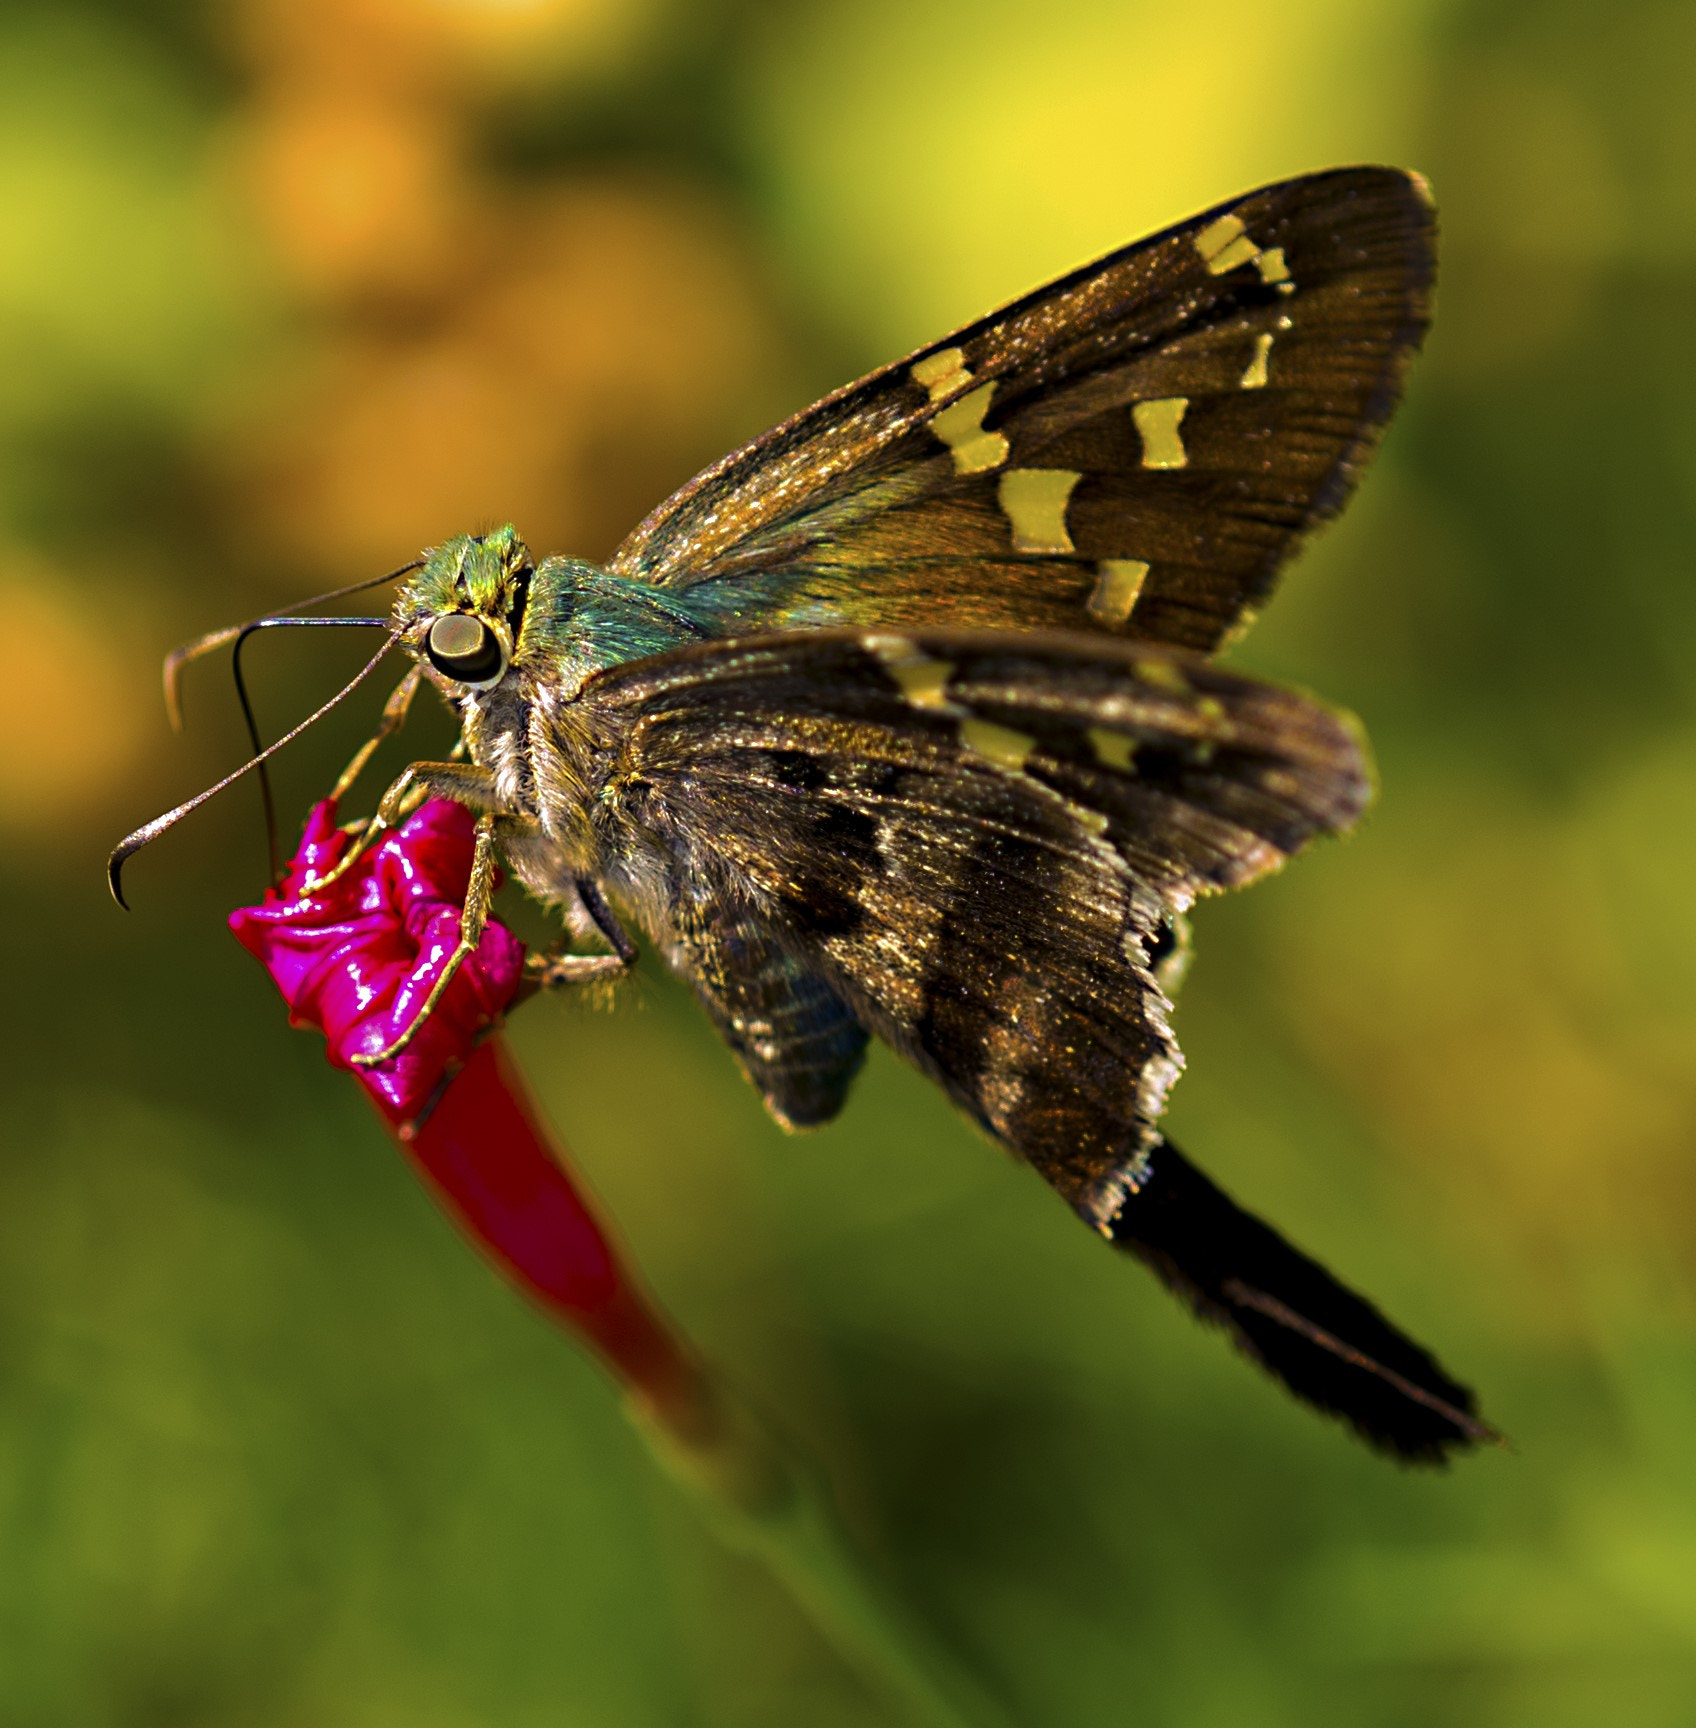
column 290, row 288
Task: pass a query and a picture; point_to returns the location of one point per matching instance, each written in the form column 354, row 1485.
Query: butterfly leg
column 552, row 971
column 474, row 914
column 394, row 717
column 463, row 782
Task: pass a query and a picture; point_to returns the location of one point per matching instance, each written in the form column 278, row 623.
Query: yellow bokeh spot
column 78, row 710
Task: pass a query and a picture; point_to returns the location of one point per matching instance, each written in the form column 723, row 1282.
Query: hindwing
column 796, row 1039
column 1136, row 447
column 980, row 842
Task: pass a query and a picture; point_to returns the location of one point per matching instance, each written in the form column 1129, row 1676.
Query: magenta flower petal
column 357, row 959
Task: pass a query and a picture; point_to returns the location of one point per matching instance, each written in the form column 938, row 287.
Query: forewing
column 1136, row 447
column 980, row 841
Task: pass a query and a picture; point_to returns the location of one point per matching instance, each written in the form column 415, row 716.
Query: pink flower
column 356, row 960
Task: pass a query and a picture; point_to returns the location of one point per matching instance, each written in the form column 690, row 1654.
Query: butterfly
column 901, row 722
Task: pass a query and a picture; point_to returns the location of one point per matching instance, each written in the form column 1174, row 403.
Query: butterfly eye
column 465, row 648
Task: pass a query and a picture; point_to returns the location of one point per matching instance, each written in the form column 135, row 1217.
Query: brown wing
column 1136, row 447
column 977, row 841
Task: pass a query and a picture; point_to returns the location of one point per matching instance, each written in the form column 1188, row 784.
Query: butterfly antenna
column 273, row 852
column 243, row 631
column 133, row 843
column 213, row 640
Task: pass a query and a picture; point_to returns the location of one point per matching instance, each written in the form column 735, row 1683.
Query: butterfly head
column 463, row 613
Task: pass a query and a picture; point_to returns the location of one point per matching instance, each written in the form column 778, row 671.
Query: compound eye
column 465, row 648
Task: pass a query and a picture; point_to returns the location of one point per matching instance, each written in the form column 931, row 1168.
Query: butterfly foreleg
column 463, row 782
column 473, row 915
column 395, row 711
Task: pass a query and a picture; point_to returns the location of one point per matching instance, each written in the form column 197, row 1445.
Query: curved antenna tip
column 180, row 657
column 133, row 843
column 114, row 875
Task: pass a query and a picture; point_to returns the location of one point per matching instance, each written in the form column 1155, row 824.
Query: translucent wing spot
column 1254, row 374
column 960, row 426
column 923, row 681
column 1112, row 749
column 1224, row 245
column 1118, row 583
column 942, row 373
column 1274, row 272
column 1000, row 744
column 1163, row 675
column 1034, row 500
column 1157, row 425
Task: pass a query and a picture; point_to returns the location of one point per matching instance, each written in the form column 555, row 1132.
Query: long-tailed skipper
column 900, row 722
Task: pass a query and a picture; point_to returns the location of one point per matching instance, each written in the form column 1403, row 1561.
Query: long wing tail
column 1330, row 1347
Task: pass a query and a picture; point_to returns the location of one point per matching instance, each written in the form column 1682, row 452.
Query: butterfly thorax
column 581, row 619
column 550, row 750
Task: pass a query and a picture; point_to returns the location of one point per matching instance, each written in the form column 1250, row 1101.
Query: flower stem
column 764, row 1502
column 492, row 1161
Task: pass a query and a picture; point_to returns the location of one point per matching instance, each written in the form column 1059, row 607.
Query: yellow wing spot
column 924, row 682
column 1035, row 500
column 1224, row 245
column 1093, row 820
column 1000, row 744
column 1240, row 251
column 1211, row 709
column 1254, row 374
column 941, row 373
column 1216, row 236
column 1157, row 425
column 960, row 426
column 922, row 679
column 1118, row 584
column 1246, row 620
column 1112, row 749
column 1273, row 270
column 1163, row 675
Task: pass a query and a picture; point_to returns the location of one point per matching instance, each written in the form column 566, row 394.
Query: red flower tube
column 355, row 960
